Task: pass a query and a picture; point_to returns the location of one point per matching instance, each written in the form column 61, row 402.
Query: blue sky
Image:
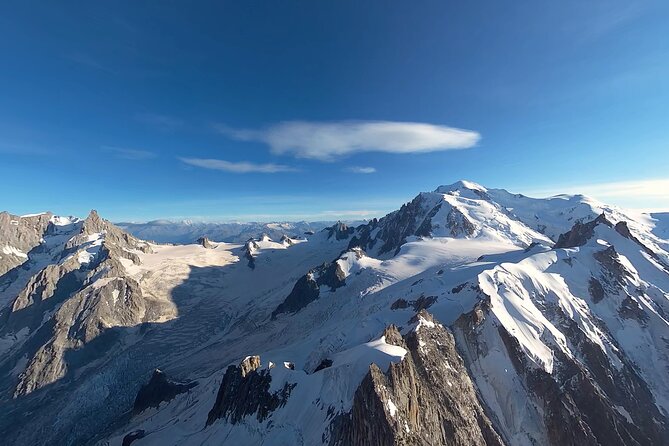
column 318, row 110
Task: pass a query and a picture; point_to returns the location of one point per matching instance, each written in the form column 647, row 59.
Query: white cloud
column 645, row 195
column 236, row 167
column 359, row 169
column 130, row 154
column 325, row 141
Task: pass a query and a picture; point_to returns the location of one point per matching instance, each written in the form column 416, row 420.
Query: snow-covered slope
column 660, row 224
column 468, row 316
column 186, row 231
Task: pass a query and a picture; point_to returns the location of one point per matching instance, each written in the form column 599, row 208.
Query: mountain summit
column 467, row 316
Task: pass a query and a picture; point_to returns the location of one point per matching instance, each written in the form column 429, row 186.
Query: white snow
column 64, row 221
column 33, row 215
column 392, row 408
column 11, row 250
column 115, row 295
column 222, row 313
column 422, row 322
column 91, row 247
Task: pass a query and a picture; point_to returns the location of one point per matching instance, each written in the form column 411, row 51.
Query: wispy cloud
column 359, row 169
column 636, row 194
column 130, row 154
column 326, row 141
column 162, row 122
column 237, row 167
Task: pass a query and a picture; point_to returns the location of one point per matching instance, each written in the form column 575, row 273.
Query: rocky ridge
column 557, row 309
column 427, row 398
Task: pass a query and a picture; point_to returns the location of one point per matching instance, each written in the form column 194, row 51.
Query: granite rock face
column 540, row 345
column 245, row 391
column 78, row 293
column 425, row 399
column 580, row 233
column 412, row 218
column 340, row 231
column 459, row 224
column 417, row 218
column 18, row 236
column 249, row 251
column 206, row 243
column 307, row 288
column 600, row 402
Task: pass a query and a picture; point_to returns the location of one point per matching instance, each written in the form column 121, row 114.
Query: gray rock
column 339, row 230
column 307, row 288
column 21, row 233
column 205, row 242
column 425, row 399
column 70, row 321
column 244, row 391
column 582, row 392
column 580, row 233
column 596, row 290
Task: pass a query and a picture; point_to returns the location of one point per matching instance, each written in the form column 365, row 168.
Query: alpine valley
column 469, row 316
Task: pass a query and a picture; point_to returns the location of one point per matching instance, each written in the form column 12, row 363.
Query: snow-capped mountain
column 467, row 316
column 187, row 231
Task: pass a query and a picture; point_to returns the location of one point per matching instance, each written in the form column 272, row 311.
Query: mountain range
column 188, row 231
column 469, row 316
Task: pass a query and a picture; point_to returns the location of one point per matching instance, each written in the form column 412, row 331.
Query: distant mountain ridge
column 467, row 316
column 188, row 231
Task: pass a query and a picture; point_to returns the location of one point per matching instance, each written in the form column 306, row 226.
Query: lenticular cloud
column 326, row 141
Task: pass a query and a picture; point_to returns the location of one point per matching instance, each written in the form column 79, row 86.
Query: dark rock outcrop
column 363, row 237
column 580, row 233
column 324, row 364
column 459, row 224
column 307, row 288
column 244, row 391
column 286, row 240
column 249, row 252
column 399, row 304
column 159, row 389
column 340, row 231
column 425, row 399
column 397, row 226
column 205, row 243
column 614, row 271
column 630, row 309
column 602, row 403
column 596, row 290
column 422, row 303
column 413, row 218
column 584, row 396
column 303, row 293
column 458, row 288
